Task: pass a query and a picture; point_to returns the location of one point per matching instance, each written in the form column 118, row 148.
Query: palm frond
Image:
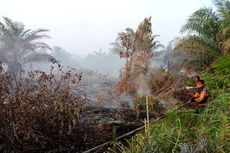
column 36, row 35
column 224, row 43
column 13, row 28
column 157, row 46
column 129, row 30
column 16, row 42
column 197, row 50
column 223, row 8
column 204, row 22
column 37, row 57
column 222, row 3
column 195, row 46
column 116, row 48
column 24, row 33
column 155, row 36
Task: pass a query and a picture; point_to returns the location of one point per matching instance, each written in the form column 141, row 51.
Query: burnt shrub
column 40, row 111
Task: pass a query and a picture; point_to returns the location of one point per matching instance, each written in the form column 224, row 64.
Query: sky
column 84, row 26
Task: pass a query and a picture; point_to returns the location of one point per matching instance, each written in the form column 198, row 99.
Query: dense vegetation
column 208, row 35
column 186, row 130
column 189, row 131
column 41, row 112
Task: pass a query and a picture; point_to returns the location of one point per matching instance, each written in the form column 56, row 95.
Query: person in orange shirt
column 201, row 95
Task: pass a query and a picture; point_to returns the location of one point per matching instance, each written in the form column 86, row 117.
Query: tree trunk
column 13, row 68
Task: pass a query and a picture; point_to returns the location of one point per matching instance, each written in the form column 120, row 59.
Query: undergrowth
column 39, row 112
column 187, row 130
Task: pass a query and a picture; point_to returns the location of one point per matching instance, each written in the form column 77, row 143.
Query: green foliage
column 143, row 143
column 208, row 131
column 208, row 35
column 189, row 131
column 205, row 22
column 199, row 52
column 223, row 8
column 222, row 65
column 218, row 77
column 217, row 123
column 157, row 106
column 154, row 104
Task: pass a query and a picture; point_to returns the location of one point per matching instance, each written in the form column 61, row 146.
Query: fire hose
column 133, row 131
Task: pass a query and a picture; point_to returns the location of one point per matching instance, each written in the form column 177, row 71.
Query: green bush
column 218, row 77
column 184, row 130
column 189, row 131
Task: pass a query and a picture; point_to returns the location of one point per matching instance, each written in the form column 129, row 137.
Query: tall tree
column 137, row 48
column 19, row 45
column 208, row 35
column 223, row 10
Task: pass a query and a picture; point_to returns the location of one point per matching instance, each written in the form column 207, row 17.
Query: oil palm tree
column 223, row 10
column 208, row 34
column 124, row 43
column 19, row 45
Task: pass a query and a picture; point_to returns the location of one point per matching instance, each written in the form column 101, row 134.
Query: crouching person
column 201, row 96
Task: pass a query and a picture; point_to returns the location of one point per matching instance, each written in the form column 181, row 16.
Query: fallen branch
column 132, row 132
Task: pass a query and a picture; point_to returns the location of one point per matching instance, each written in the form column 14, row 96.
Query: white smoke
column 143, row 86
